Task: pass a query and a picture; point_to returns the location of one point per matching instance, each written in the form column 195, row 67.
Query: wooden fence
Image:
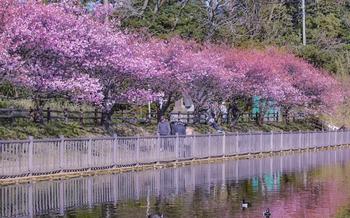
column 49, row 156
column 93, row 117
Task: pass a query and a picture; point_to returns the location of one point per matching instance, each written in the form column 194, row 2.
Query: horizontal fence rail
column 48, row 156
column 55, row 197
column 93, row 117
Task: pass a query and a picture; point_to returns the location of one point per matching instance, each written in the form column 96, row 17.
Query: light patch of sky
column 90, row 6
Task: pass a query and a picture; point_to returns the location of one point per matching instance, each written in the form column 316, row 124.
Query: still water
column 310, row 184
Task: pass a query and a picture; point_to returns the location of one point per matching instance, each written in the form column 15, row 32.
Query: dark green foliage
column 251, row 23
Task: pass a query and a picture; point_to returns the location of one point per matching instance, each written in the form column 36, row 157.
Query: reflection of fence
column 54, row 197
column 23, row 157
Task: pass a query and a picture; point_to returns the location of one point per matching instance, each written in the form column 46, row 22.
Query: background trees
column 249, row 23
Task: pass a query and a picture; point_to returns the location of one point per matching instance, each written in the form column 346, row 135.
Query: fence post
column 237, row 141
column 96, row 117
column 48, row 114
column 261, row 142
column 115, row 143
column 81, row 116
column 250, row 141
column 271, row 142
column 30, row 155
column 336, row 138
column 315, row 144
column 65, row 115
column 209, row 145
column 282, row 142
column 158, row 147
column 194, row 146
column 177, row 147
column 289, row 143
column 90, row 153
column 61, row 150
column 31, row 114
column 299, row 139
column 138, row 150
column 224, row 145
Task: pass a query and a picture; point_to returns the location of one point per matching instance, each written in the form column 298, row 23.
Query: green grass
column 246, row 127
column 22, row 129
column 53, row 104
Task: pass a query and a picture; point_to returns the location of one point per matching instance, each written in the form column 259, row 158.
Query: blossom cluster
column 61, row 48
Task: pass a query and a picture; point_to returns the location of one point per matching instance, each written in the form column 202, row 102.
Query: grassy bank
column 21, row 129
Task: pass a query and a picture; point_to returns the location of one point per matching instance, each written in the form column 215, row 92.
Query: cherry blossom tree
column 63, row 49
column 40, row 38
column 169, row 79
column 317, row 90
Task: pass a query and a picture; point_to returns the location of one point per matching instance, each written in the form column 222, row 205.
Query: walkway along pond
column 56, row 197
column 23, row 158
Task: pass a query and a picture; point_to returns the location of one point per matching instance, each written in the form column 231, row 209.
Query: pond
column 309, row 184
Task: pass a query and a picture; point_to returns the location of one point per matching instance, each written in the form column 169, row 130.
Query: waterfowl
column 245, row 204
column 267, row 213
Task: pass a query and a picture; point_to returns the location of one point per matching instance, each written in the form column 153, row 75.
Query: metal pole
column 177, row 147
column 158, row 148
column 271, row 142
column 90, row 153
column 209, row 145
column 61, row 150
column 237, row 141
column 224, row 145
column 115, row 142
column 30, row 155
column 282, row 146
column 304, row 24
column 261, row 142
column 138, row 150
column 250, row 145
column 194, row 146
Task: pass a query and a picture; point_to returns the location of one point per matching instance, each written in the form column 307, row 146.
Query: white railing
column 51, row 197
column 47, row 156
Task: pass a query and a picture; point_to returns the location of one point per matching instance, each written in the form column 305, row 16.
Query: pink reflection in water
column 322, row 200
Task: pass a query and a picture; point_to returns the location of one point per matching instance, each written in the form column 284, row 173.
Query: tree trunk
column 39, row 104
column 106, row 120
column 108, row 108
column 234, row 111
column 235, row 114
